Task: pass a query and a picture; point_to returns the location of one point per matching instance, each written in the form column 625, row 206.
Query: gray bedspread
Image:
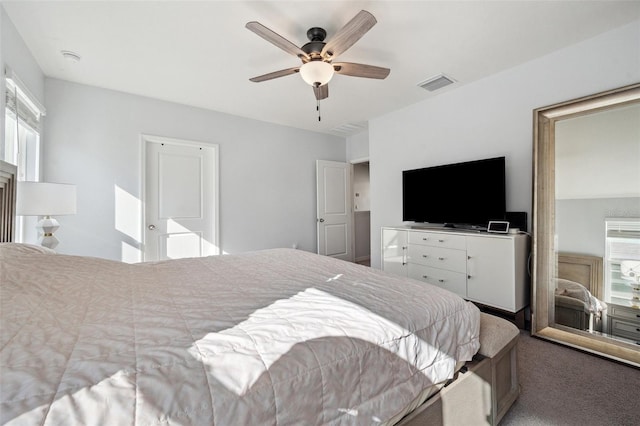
column 276, row 337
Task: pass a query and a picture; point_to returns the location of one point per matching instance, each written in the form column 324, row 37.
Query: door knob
column 320, row 220
column 151, row 227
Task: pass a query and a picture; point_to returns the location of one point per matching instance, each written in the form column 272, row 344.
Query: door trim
column 144, row 138
column 359, row 160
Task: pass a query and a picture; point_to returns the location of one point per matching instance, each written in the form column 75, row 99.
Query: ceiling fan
column 317, row 55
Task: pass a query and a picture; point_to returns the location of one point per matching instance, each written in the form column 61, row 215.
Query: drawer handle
column 441, row 258
column 425, row 256
column 424, row 238
column 425, row 277
column 441, row 281
column 441, row 241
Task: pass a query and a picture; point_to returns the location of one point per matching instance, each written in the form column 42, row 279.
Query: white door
column 334, row 219
column 181, row 197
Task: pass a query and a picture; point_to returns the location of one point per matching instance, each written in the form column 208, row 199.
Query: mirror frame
column 545, row 263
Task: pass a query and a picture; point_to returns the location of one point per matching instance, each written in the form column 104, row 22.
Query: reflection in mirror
column 587, row 224
column 597, row 186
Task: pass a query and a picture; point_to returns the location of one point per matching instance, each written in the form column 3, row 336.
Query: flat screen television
column 470, row 193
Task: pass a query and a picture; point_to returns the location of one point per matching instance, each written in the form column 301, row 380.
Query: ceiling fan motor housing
column 314, row 47
column 316, row 34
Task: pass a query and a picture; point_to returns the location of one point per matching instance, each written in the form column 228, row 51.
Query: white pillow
column 580, row 292
column 573, row 289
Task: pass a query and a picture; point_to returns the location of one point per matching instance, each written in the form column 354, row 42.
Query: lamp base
column 48, row 225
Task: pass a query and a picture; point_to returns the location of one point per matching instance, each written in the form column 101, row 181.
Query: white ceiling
column 200, row 53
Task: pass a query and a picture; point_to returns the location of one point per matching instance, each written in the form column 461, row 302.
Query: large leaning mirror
column 586, row 224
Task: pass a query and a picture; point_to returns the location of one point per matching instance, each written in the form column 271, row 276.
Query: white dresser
column 490, row 269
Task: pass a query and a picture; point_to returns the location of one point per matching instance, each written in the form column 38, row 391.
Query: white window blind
column 21, row 143
column 622, row 249
column 19, row 105
column 23, row 115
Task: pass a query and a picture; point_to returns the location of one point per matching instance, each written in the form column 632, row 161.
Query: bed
column 579, row 291
column 280, row 337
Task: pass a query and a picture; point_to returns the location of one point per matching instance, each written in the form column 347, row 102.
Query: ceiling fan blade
column 349, row 34
column 275, row 74
column 321, row 92
column 361, row 70
column 276, row 39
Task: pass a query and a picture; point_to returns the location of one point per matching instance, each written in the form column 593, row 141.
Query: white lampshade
column 316, row 73
column 45, row 199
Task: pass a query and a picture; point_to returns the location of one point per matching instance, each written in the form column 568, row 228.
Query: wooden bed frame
column 484, row 389
column 7, row 201
column 482, row 392
column 586, row 270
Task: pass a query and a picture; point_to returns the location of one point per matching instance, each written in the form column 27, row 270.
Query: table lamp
column 46, row 199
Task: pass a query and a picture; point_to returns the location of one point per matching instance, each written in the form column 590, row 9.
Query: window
column 622, row 261
column 21, row 145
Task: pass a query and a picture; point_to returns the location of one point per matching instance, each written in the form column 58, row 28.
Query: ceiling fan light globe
column 316, row 73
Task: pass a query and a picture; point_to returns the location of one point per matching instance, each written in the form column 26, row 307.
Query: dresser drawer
column 625, row 329
column 453, row 281
column 624, row 312
column 438, row 240
column 438, row 257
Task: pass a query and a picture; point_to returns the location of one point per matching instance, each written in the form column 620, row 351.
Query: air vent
column 349, row 129
column 70, row 56
column 437, row 82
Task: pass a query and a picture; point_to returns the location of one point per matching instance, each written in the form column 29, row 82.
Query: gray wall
column 580, row 223
column 267, row 172
column 598, row 155
column 491, row 117
column 358, row 146
column 362, row 232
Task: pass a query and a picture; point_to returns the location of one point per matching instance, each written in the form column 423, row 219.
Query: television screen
column 469, row 193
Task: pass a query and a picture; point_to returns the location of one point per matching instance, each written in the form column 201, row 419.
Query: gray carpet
column 563, row 386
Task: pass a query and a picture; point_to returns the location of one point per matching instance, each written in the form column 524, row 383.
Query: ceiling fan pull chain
column 318, row 108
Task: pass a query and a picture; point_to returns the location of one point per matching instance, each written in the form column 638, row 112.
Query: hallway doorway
column 361, row 212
